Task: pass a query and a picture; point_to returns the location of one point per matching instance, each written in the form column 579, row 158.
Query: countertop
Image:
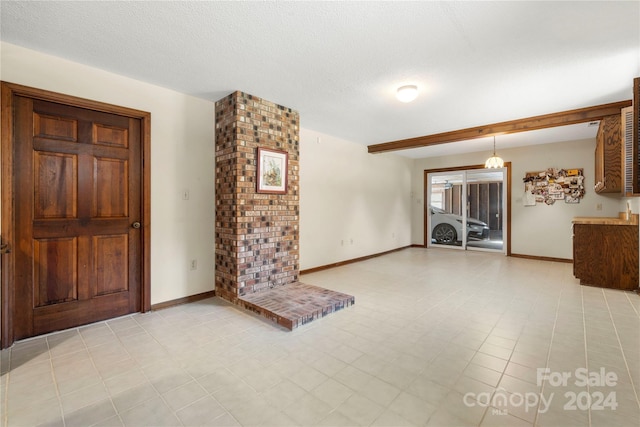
column 620, row 220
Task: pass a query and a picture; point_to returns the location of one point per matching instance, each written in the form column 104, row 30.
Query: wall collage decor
column 553, row 185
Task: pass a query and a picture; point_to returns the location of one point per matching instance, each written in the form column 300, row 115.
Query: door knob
column 136, row 224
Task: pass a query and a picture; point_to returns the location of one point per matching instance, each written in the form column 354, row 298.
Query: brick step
column 295, row 304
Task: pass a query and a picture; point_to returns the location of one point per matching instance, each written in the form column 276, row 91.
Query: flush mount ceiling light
column 407, row 93
column 494, row 162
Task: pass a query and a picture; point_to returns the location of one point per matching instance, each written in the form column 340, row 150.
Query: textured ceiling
column 339, row 63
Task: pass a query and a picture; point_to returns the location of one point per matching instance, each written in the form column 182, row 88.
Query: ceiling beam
column 571, row 117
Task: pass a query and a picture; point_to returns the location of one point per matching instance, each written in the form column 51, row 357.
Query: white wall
column 352, row 203
column 182, row 157
column 539, row 230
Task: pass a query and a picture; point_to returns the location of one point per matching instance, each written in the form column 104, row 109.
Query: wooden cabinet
column 608, row 173
column 606, row 255
column 635, row 135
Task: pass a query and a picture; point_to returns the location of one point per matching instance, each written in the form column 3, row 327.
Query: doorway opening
column 467, row 208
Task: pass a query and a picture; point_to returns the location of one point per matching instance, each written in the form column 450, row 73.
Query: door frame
column 7, row 210
column 507, row 165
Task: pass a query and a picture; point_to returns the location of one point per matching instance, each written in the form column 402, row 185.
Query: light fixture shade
column 494, row 162
column 407, row 93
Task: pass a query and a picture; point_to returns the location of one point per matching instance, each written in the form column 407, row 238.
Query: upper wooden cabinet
column 608, row 174
column 636, row 136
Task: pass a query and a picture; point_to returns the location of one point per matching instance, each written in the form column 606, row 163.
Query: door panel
column 110, row 255
column 444, row 209
column 55, row 271
column 110, row 192
column 77, row 191
column 61, row 128
column 56, row 185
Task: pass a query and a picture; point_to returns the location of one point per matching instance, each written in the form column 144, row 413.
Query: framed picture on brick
column 272, row 171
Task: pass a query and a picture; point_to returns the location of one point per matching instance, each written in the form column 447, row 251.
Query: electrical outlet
column 185, row 195
column 194, row 264
column 599, row 206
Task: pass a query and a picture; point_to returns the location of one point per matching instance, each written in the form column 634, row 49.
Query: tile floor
column 436, row 338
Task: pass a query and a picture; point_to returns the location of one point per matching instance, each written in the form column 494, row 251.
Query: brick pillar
column 257, row 235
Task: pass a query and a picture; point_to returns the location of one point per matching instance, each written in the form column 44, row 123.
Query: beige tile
column 522, row 372
column 224, row 420
column 329, row 365
column 41, row 412
column 29, row 397
column 491, row 362
column 254, row 410
column 466, row 385
column 153, row 412
column 284, row 393
column 114, row 421
column 169, row 380
column 89, row 415
column 353, row 378
column 129, row 378
column 219, row 379
column 380, row 392
column 235, row 396
column 495, row 350
column 427, row 390
column 396, row 375
column 482, row 374
column 308, row 378
column 412, row 408
column 308, row 410
column 360, row 409
column 184, row 395
column 332, row 392
column 470, row 412
column 369, row 364
column 516, row 385
column 279, row 419
column 261, row 380
column 391, row 419
column 80, row 398
column 133, row 397
column 442, row 418
column 336, row 419
column 500, row 418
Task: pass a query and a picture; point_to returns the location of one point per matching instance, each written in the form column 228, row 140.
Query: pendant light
column 494, row 162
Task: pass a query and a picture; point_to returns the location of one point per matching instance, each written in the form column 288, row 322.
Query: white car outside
column 446, row 228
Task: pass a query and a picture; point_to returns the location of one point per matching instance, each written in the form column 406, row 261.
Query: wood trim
column 146, row 212
column 508, row 203
column 89, row 104
column 354, row 260
column 7, row 223
column 542, row 258
column 570, row 117
column 462, row 168
column 183, row 300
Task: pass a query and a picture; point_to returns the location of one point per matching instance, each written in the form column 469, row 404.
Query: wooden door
column 77, row 243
